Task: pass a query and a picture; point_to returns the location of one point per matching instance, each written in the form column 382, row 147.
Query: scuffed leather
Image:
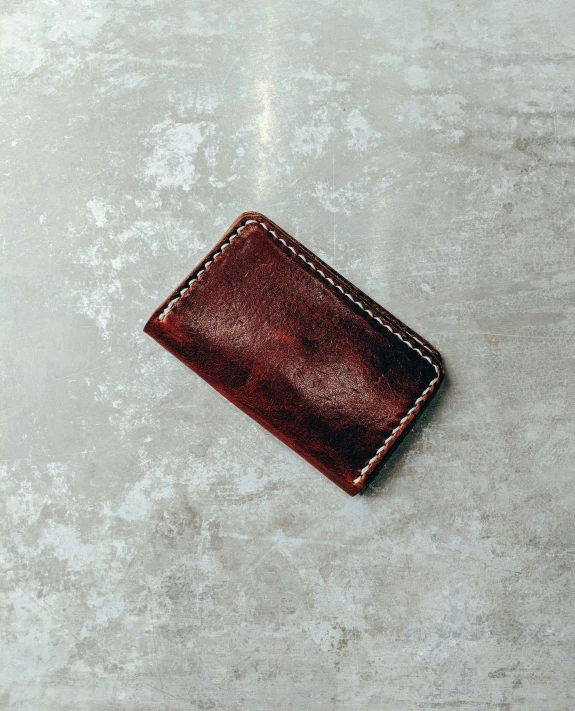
column 280, row 342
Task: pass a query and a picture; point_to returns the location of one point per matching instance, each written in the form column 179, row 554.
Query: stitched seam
column 404, row 420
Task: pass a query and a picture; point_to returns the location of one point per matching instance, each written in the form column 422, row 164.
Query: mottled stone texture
column 157, row 549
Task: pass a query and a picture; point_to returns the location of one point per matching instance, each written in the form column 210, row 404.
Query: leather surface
column 262, row 323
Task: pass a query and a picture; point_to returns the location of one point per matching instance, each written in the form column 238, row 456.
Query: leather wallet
column 301, row 350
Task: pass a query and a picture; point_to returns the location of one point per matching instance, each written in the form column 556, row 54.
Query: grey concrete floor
column 159, row 549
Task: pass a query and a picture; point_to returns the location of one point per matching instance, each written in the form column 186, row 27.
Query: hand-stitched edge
column 404, row 421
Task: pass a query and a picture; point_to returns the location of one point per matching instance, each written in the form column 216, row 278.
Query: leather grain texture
column 300, row 349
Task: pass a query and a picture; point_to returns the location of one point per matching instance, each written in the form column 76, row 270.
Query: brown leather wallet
column 301, row 350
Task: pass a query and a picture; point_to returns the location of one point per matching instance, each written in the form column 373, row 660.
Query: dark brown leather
column 301, row 350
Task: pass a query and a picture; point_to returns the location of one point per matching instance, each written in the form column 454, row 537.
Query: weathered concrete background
column 160, row 550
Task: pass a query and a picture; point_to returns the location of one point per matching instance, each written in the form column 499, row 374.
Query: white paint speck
column 99, row 210
column 171, row 164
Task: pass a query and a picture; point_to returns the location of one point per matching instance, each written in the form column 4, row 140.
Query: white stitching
column 420, row 399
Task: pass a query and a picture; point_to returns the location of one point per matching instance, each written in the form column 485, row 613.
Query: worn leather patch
column 300, row 349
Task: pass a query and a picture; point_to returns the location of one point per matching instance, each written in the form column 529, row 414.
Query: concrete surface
column 160, row 550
